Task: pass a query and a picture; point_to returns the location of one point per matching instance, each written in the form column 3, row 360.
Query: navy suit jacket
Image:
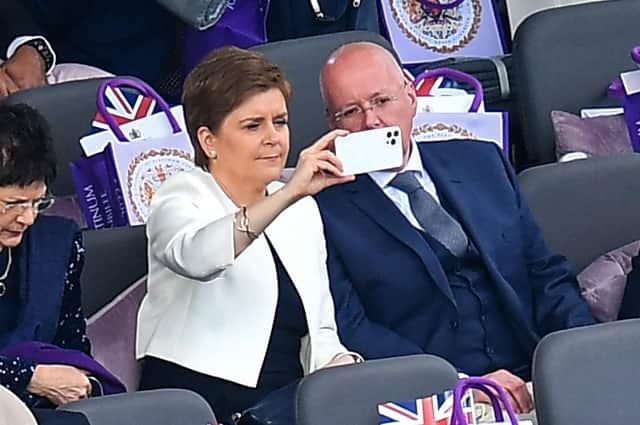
column 392, row 296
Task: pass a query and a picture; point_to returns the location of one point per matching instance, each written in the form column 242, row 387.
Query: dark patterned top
column 15, row 373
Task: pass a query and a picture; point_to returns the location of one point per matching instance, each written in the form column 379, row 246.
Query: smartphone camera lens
column 393, row 142
column 396, row 133
column 389, row 134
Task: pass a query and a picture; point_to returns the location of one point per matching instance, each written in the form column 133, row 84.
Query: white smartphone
column 370, row 150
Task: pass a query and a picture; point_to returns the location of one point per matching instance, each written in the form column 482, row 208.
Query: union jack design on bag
column 435, row 410
column 429, row 86
column 125, row 107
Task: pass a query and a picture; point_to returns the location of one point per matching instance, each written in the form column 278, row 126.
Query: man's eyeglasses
column 354, row 114
column 20, row 207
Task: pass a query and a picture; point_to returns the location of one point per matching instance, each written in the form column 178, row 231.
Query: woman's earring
column 213, row 154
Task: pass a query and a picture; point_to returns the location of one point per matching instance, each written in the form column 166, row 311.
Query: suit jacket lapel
column 451, row 186
column 372, row 201
column 461, row 198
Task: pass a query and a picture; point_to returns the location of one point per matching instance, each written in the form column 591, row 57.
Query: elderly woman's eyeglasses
column 20, row 207
column 354, row 114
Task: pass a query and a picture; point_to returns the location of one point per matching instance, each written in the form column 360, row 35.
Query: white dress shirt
column 400, row 198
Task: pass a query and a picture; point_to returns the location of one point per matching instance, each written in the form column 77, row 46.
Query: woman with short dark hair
column 41, row 258
column 238, row 301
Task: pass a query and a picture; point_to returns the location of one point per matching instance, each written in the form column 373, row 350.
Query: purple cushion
column 112, row 332
column 599, row 136
column 603, row 281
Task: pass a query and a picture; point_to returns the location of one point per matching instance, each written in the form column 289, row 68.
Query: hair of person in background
column 224, row 79
column 26, row 147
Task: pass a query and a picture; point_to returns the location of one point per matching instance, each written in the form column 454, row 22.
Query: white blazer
column 213, row 313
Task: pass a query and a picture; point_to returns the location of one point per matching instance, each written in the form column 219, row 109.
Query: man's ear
column 330, row 121
column 411, row 91
column 413, row 96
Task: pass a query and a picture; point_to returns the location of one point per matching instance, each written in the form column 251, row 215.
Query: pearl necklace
column 3, row 287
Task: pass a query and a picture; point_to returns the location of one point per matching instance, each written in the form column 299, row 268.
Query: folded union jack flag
column 434, row 410
column 125, row 106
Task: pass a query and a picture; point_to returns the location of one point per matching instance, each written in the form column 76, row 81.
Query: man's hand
column 515, row 388
column 26, row 68
column 59, row 384
column 7, row 85
column 341, row 360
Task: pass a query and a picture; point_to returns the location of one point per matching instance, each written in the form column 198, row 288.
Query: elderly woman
column 40, row 263
column 238, row 301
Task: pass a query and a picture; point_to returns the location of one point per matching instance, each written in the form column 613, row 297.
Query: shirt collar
column 383, row 178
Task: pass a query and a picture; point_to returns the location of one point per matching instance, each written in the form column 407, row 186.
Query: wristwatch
column 43, row 49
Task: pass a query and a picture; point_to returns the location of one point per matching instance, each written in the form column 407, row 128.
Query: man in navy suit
column 400, row 289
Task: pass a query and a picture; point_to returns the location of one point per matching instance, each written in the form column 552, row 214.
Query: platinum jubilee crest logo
column 148, row 171
column 442, row 26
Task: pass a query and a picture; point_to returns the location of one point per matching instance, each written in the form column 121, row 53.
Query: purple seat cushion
column 599, row 136
column 603, row 282
column 112, row 332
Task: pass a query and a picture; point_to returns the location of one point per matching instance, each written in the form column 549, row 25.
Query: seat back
column 157, row 407
column 301, row 61
column 112, row 332
column 350, row 395
column 69, row 108
column 114, row 260
column 588, row 375
column 564, row 59
column 113, row 285
column 586, row 208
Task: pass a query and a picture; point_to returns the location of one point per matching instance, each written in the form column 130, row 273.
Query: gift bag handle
column 436, row 5
column 616, row 89
column 141, row 87
column 484, row 385
column 635, row 54
column 454, row 74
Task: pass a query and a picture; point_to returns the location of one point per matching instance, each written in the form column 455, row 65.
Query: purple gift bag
column 474, row 124
column 116, row 185
column 243, row 24
column 97, row 200
column 427, row 30
column 488, row 387
column 627, row 88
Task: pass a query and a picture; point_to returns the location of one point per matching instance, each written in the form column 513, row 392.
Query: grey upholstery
column 586, row 208
column 69, row 108
column 564, row 59
column 114, row 260
column 301, row 60
column 155, row 407
column 588, row 375
column 350, row 395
